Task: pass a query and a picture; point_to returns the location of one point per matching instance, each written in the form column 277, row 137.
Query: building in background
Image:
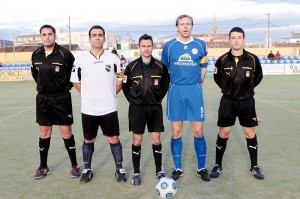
column 6, row 43
column 63, row 38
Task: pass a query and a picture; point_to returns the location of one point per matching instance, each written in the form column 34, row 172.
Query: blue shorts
column 185, row 102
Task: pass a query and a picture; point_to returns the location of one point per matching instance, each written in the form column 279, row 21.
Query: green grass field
column 277, row 104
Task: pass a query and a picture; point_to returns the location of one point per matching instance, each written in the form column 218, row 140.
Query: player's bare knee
column 176, row 134
column 45, row 132
column 198, row 134
column 66, row 135
column 89, row 141
column 65, row 131
column 137, row 142
column 113, row 139
column 249, row 132
column 249, row 135
column 155, row 141
column 224, row 132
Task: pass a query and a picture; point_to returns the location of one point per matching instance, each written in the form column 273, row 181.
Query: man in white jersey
column 186, row 59
column 94, row 76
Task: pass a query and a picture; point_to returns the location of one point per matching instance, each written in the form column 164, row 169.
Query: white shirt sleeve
column 76, row 71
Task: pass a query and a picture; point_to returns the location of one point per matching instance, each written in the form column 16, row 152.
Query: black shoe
column 160, row 175
column 41, row 172
column 87, row 175
column 216, row 171
column 257, row 172
column 120, row 175
column 177, row 173
column 75, row 171
column 203, row 174
column 136, row 179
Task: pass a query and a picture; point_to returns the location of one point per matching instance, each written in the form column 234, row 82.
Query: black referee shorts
column 142, row 115
column 230, row 109
column 109, row 124
column 54, row 110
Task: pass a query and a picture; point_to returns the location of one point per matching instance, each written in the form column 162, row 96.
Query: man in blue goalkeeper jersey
column 186, row 59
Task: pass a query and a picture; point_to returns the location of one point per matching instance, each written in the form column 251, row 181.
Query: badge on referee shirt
column 247, row 73
column 56, row 68
column 215, row 70
column 125, row 79
column 155, row 82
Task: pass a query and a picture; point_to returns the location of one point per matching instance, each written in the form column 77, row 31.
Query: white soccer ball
column 166, row 187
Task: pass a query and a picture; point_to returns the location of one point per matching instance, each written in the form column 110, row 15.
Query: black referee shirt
column 237, row 76
column 52, row 73
column 145, row 84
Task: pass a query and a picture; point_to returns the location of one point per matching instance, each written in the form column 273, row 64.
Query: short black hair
column 145, row 37
column 237, row 29
column 96, row 27
column 184, row 16
column 48, row 26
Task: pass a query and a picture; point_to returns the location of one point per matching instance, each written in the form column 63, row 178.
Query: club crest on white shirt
column 107, row 68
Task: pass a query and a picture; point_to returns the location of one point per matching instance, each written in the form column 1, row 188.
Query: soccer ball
column 166, row 187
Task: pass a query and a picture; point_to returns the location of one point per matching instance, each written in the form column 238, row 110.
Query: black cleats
column 87, row 175
column 41, row 172
column 203, row 173
column 176, row 174
column 120, row 175
column 257, row 172
column 136, row 179
column 216, row 171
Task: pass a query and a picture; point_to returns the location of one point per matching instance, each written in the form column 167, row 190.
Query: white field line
column 288, row 102
column 5, row 109
column 29, row 108
column 18, row 113
column 283, row 107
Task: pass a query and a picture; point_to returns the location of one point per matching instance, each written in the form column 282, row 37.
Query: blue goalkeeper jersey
column 184, row 60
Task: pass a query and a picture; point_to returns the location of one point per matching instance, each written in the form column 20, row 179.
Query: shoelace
column 256, row 170
column 40, row 170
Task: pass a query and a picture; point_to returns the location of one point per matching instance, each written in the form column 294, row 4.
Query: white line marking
column 290, row 102
column 5, row 109
column 268, row 102
column 15, row 114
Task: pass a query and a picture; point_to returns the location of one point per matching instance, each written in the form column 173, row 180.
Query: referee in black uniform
column 51, row 69
column 145, row 83
column 237, row 73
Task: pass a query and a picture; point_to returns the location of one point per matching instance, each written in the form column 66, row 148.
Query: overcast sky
column 155, row 17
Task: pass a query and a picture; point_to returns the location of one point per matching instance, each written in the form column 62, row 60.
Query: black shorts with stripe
column 230, row 109
column 54, row 109
column 142, row 115
column 108, row 123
